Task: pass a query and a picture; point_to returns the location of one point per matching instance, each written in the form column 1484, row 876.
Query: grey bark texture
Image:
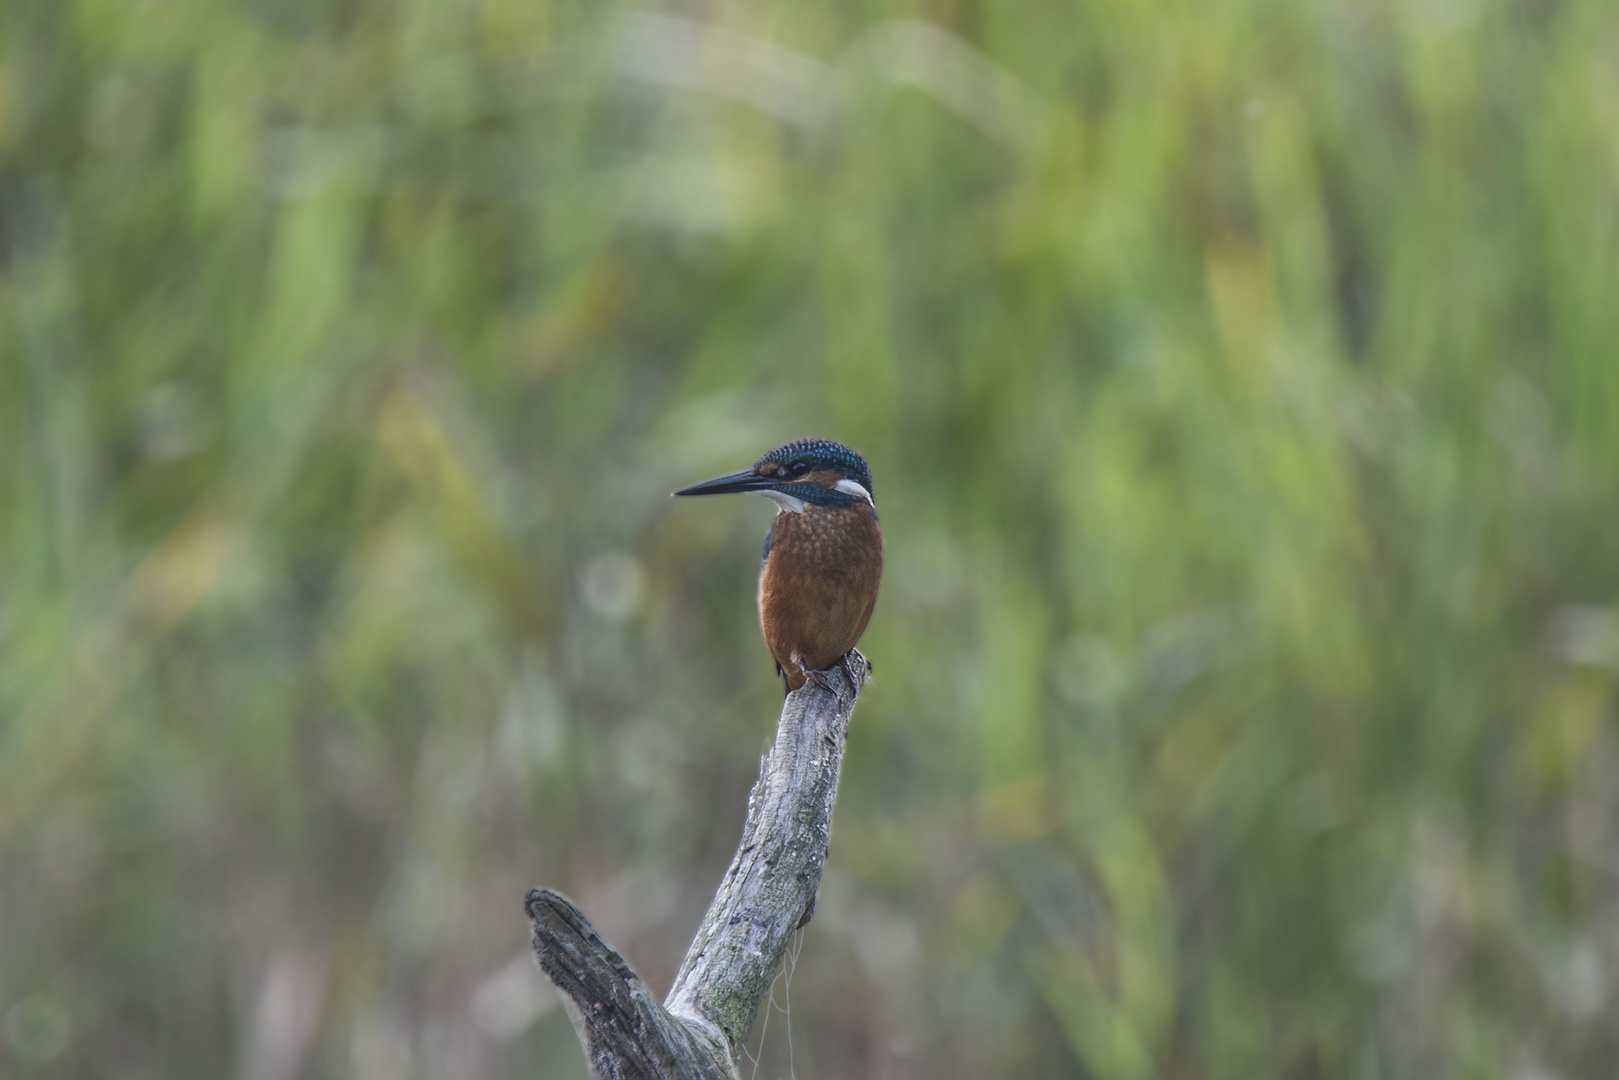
column 769, row 891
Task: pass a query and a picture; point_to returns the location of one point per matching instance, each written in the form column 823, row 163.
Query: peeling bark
column 767, row 894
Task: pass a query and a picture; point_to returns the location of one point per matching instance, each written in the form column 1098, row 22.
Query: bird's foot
column 819, row 679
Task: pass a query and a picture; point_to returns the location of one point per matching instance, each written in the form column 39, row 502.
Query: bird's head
column 809, row 472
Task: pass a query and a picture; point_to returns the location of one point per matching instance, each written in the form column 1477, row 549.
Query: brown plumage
column 818, row 586
column 823, row 556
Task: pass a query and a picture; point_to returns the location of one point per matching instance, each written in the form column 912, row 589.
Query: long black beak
column 725, row 485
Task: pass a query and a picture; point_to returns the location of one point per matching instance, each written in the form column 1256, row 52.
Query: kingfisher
column 822, row 558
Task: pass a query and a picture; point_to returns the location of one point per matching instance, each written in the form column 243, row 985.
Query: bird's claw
column 819, row 679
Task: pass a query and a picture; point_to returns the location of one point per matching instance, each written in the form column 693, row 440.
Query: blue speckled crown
column 822, row 454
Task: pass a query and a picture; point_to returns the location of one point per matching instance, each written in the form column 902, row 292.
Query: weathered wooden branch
column 769, row 891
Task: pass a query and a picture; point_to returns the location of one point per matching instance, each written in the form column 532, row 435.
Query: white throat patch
column 784, row 501
column 855, row 488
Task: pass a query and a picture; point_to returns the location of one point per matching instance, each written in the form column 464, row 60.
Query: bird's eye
column 800, row 468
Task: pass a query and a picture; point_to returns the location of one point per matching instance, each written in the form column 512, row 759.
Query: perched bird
column 823, row 555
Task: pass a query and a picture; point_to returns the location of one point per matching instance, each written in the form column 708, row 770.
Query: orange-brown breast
column 819, row 585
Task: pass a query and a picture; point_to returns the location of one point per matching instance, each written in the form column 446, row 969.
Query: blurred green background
column 1240, row 385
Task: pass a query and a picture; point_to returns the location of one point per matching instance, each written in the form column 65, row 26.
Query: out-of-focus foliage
column 1240, row 385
